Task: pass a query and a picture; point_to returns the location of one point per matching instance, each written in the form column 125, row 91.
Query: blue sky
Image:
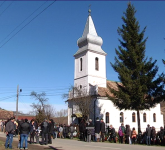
column 38, row 54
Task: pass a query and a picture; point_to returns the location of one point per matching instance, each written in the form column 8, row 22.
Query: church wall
column 114, row 115
column 78, row 73
column 96, row 77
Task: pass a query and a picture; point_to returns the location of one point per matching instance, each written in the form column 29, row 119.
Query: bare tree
column 41, row 109
column 82, row 99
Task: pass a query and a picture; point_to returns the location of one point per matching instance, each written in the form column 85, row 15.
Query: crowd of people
column 85, row 131
column 24, row 129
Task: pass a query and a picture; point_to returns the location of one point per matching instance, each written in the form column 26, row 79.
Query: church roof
column 90, row 40
column 102, row 92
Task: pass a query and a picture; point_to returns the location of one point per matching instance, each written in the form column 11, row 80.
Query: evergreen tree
column 140, row 87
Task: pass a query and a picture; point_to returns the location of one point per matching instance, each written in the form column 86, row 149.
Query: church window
column 121, row 117
column 81, row 61
column 80, row 86
column 96, row 63
column 154, row 117
column 133, row 117
column 144, row 117
column 107, row 117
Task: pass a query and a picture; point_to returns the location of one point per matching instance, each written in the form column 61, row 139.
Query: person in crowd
column 61, row 131
column 121, row 133
column 112, row 134
column 9, row 129
column 90, row 130
column 153, row 135
column 134, row 134
column 71, row 130
column 33, row 127
column 148, row 134
column 45, row 130
column 102, row 129
column 64, row 131
column 82, row 130
column 161, row 135
column 51, row 128
column 97, row 129
column 128, row 135
column 2, row 125
column 56, row 131
column 37, row 135
column 24, row 132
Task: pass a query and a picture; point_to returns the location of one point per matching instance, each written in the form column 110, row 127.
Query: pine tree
column 140, row 86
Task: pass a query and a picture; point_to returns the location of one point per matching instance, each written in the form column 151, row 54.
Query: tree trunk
column 138, row 121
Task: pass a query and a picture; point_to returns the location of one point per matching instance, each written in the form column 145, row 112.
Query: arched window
column 107, row 117
column 144, row 117
column 80, row 86
column 81, row 61
column 133, row 117
column 96, row 63
column 121, row 117
column 154, row 117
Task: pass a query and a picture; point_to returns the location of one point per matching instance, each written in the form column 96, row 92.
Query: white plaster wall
column 78, row 73
column 114, row 113
column 91, row 66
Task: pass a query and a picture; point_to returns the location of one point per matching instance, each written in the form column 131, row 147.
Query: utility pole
column 17, row 101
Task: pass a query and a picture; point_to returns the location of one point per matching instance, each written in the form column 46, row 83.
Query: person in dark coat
column 97, row 129
column 102, row 129
column 128, row 135
column 24, row 132
column 64, row 131
column 33, row 128
column 148, row 134
column 9, row 129
column 153, row 135
column 112, row 134
column 51, row 128
column 161, row 135
column 45, row 130
column 82, row 130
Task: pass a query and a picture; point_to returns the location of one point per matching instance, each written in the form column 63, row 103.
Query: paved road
column 67, row 144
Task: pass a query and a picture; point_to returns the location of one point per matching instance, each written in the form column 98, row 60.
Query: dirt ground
column 30, row 146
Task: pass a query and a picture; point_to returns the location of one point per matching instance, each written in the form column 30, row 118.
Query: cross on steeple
column 89, row 10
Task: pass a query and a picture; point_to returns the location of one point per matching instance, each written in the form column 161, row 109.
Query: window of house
column 144, row 117
column 81, row 61
column 121, row 117
column 133, row 117
column 154, row 117
column 107, row 117
column 96, row 63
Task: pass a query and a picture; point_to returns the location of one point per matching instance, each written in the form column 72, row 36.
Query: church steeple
column 90, row 62
column 90, row 40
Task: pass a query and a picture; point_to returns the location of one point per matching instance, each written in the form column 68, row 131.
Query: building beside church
column 90, row 74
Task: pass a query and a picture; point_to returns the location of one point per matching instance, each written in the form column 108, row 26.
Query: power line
column 22, row 22
column 6, row 8
column 27, row 24
column 2, row 3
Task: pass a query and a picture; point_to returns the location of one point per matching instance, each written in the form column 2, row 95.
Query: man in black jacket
column 148, row 134
column 24, row 131
column 9, row 133
column 102, row 129
column 45, row 130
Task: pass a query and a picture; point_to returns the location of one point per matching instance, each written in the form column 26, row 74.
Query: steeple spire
column 90, row 40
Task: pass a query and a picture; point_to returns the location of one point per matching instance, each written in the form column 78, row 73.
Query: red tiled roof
column 104, row 91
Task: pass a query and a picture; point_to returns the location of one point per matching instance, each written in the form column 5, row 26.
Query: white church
column 90, row 69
